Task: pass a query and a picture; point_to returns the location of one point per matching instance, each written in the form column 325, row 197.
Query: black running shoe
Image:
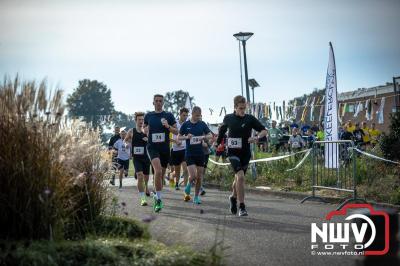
column 202, row 191
column 148, row 194
column 242, row 212
column 112, row 182
column 233, row 204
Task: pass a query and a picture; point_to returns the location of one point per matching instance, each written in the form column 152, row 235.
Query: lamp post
column 243, row 37
column 253, row 84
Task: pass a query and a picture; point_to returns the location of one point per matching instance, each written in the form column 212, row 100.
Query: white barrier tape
column 265, row 159
column 374, row 156
column 301, row 162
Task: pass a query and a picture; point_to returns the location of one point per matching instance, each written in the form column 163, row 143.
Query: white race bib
column 295, row 144
column 158, row 137
column 195, row 140
column 235, row 143
column 273, row 135
column 138, row 150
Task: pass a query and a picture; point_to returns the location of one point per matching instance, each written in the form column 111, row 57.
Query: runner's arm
column 222, row 131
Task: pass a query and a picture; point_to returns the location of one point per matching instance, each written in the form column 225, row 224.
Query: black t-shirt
column 346, row 135
column 239, row 132
column 112, row 141
column 358, row 135
column 139, row 149
column 158, row 134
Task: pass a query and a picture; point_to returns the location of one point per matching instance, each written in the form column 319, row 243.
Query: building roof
column 366, row 92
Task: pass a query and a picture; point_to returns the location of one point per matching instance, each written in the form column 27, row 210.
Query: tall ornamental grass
column 51, row 168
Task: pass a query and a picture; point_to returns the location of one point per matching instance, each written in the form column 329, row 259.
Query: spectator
column 304, row 129
column 310, row 138
column 346, row 135
column 374, row 135
column 358, row 137
column 366, row 137
column 350, row 126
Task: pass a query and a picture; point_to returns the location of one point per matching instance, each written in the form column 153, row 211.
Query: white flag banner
column 331, row 114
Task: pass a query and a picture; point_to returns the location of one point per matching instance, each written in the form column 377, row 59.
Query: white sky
column 139, row 48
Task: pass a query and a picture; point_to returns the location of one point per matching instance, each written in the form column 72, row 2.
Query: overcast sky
column 139, row 48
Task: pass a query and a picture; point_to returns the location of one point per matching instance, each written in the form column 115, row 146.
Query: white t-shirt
column 124, row 149
column 176, row 147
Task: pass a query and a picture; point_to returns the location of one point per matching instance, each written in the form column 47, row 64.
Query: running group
column 149, row 146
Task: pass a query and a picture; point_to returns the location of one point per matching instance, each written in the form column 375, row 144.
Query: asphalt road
column 276, row 232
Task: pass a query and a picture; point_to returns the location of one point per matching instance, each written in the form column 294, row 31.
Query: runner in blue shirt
column 158, row 125
column 194, row 132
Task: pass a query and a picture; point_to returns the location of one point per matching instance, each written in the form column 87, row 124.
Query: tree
column 175, row 100
column 91, row 99
column 121, row 119
column 390, row 144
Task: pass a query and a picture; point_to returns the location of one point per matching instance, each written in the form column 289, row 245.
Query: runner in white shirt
column 123, row 150
column 178, row 151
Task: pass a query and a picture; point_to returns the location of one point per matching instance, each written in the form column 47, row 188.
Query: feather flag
column 380, row 111
column 312, row 110
column 303, row 116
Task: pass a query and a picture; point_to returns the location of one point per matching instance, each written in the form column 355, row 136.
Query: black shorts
column 240, row 162
column 206, row 156
column 141, row 165
column 177, row 157
column 123, row 164
column 195, row 160
column 156, row 153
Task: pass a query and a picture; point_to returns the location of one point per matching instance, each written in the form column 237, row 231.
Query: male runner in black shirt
column 240, row 126
column 159, row 124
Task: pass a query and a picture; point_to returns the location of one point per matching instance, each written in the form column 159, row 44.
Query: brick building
column 350, row 100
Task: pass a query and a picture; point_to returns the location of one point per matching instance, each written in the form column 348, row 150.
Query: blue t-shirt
column 158, row 134
column 194, row 147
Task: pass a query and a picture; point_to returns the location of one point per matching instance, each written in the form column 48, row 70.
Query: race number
column 138, row 150
column 158, row 137
column 195, row 140
column 235, row 143
column 273, row 135
column 295, row 144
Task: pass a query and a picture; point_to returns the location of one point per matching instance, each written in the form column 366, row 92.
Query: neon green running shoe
column 143, row 201
column 158, row 205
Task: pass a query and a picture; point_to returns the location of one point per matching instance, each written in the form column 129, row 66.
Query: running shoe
column 196, row 200
column 202, row 191
column 147, row 193
column 186, row 197
column 177, row 186
column 187, row 190
column 233, row 204
column 158, row 205
column 143, row 201
column 112, row 181
column 242, row 212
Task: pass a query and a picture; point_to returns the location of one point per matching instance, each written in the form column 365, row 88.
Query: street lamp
column 253, row 84
column 243, row 37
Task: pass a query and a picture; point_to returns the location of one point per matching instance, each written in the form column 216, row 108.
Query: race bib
column 273, row 135
column 235, row 143
column 195, row 140
column 138, row 150
column 295, row 144
column 158, row 137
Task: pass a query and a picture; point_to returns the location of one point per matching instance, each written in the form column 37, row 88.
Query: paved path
column 276, row 232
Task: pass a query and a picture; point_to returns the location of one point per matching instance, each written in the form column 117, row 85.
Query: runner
column 240, row 126
column 158, row 125
column 141, row 161
column 114, row 162
column 206, row 150
column 274, row 135
column 194, row 132
column 221, row 150
column 123, row 150
column 178, row 151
